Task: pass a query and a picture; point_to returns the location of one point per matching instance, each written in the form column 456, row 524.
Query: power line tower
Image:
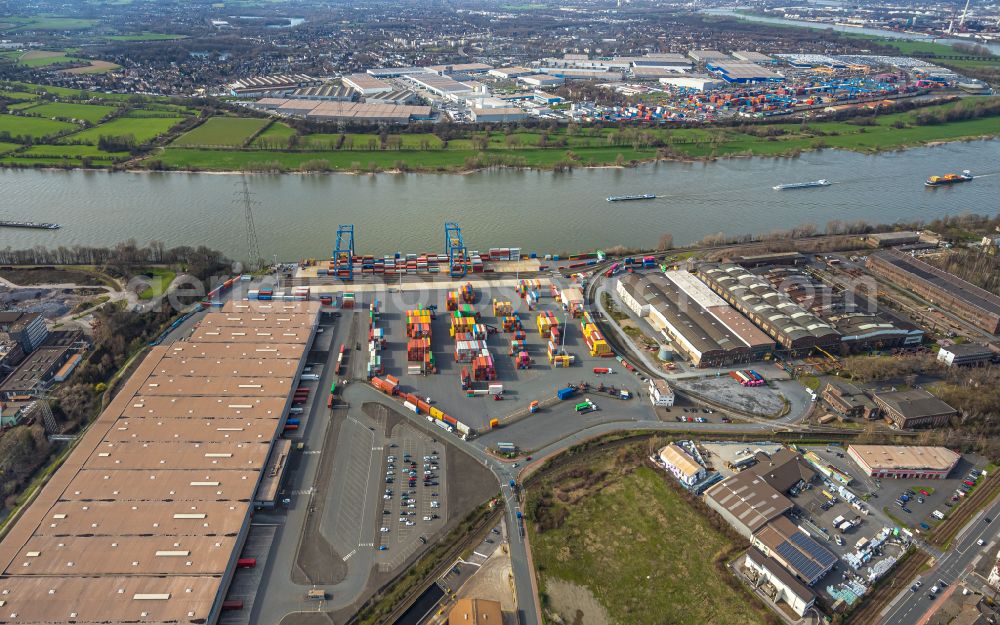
column 254, row 259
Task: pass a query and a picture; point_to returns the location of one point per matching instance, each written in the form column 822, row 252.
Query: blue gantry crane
column 343, row 254
column 454, row 247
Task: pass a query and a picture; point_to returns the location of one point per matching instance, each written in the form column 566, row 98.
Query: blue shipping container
column 292, row 421
column 565, row 392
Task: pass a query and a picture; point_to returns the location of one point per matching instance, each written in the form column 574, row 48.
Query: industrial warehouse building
column 783, row 470
column 973, row 304
column 742, row 73
column 784, row 320
column 271, row 85
column 693, row 83
column 847, row 400
column 754, row 57
column 363, row 112
column 965, row 354
column 146, row 518
column 794, row 550
column 747, row 502
column 366, row 84
column 924, row 463
column 768, row 576
column 681, row 465
column 708, row 330
column 913, row 408
column 499, row 114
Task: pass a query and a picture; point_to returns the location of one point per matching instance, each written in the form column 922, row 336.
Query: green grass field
column 275, row 136
column 160, row 280
column 72, row 152
column 18, row 95
column 655, row 568
column 43, row 58
column 36, row 127
column 221, row 131
column 144, row 129
column 47, row 22
column 8, row 147
column 92, row 113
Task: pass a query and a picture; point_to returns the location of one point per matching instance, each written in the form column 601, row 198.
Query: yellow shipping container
column 436, row 413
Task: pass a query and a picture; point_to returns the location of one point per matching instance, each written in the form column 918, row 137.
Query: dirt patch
column 316, row 561
column 95, row 67
column 574, row 605
column 760, row 400
column 492, row 581
column 48, row 275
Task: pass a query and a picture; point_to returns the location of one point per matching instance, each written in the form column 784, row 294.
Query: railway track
column 975, row 502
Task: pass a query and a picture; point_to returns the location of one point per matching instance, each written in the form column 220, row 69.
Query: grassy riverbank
column 54, row 127
column 567, row 148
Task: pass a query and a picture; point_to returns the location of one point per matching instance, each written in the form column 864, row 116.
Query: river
column 888, row 34
column 297, row 215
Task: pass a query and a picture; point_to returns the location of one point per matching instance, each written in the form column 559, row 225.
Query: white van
column 937, row 515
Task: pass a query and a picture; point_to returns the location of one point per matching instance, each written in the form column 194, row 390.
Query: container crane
column 343, row 254
column 454, row 247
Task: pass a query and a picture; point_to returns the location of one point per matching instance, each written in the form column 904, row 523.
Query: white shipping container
column 411, row 407
column 461, row 427
column 496, row 389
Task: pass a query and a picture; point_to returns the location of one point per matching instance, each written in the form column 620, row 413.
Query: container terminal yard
column 307, row 435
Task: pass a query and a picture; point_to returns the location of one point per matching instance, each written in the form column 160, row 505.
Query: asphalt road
column 952, row 566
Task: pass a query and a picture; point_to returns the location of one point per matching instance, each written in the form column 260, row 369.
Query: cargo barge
column 947, row 179
column 630, row 198
column 36, row 225
column 802, row 185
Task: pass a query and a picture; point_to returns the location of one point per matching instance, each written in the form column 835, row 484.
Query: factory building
column 681, row 465
column 660, row 393
column 147, row 517
column 508, row 73
column 784, row 320
column 334, row 93
column 541, row 81
column 655, row 73
column 913, row 408
column 396, row 72
column 661, row 60
column 747, row 502
column 499, row 114
column 278, row 84
column 965, row 355
column 366, row 84
column 709, row 331
column 891, row 239
column 399, row 97
column 361, row 112
column 693, row 83
column 27, row 329
column 864, row 331
column 794, row 550
column 705, row 56
column 919, row 463
column 774, row 581
column 973, row 304
column 440, row 85
column 754, row 57
column 848, row 400
column 460, row 68
column 743, row 73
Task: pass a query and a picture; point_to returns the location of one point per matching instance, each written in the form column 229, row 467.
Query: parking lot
column 927, row 495
column 414, row 498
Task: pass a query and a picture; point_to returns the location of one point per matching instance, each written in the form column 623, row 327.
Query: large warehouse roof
column 750, row 499
column 142, row 522
column 897, row 457
column 755, row 296
column 805, row 557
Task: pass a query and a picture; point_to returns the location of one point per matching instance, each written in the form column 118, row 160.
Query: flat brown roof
column 158, row 485
column 249, row 335
column 225, row 350
column 180, row 455
column 167, row 407
column 123, row 555
column 91, row 600
column 135, row 518
column 239, row 367
column 271, row 306
column 141, row 522
column 202, row 430
column 259, row 320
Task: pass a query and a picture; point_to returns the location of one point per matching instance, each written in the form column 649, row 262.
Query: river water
column 889, row 34
column 297, row 215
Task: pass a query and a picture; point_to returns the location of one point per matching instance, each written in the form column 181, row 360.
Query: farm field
column 92, row 113
column 8, row 147
column 274, row 136
column 41, row 58
column 18, row 95
column 656, row 568
column 146, row 37
column 221, row 132
column 47, row 22
column 144, row 129
column 72, row 152
column 37, row 127
column 94, row 67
